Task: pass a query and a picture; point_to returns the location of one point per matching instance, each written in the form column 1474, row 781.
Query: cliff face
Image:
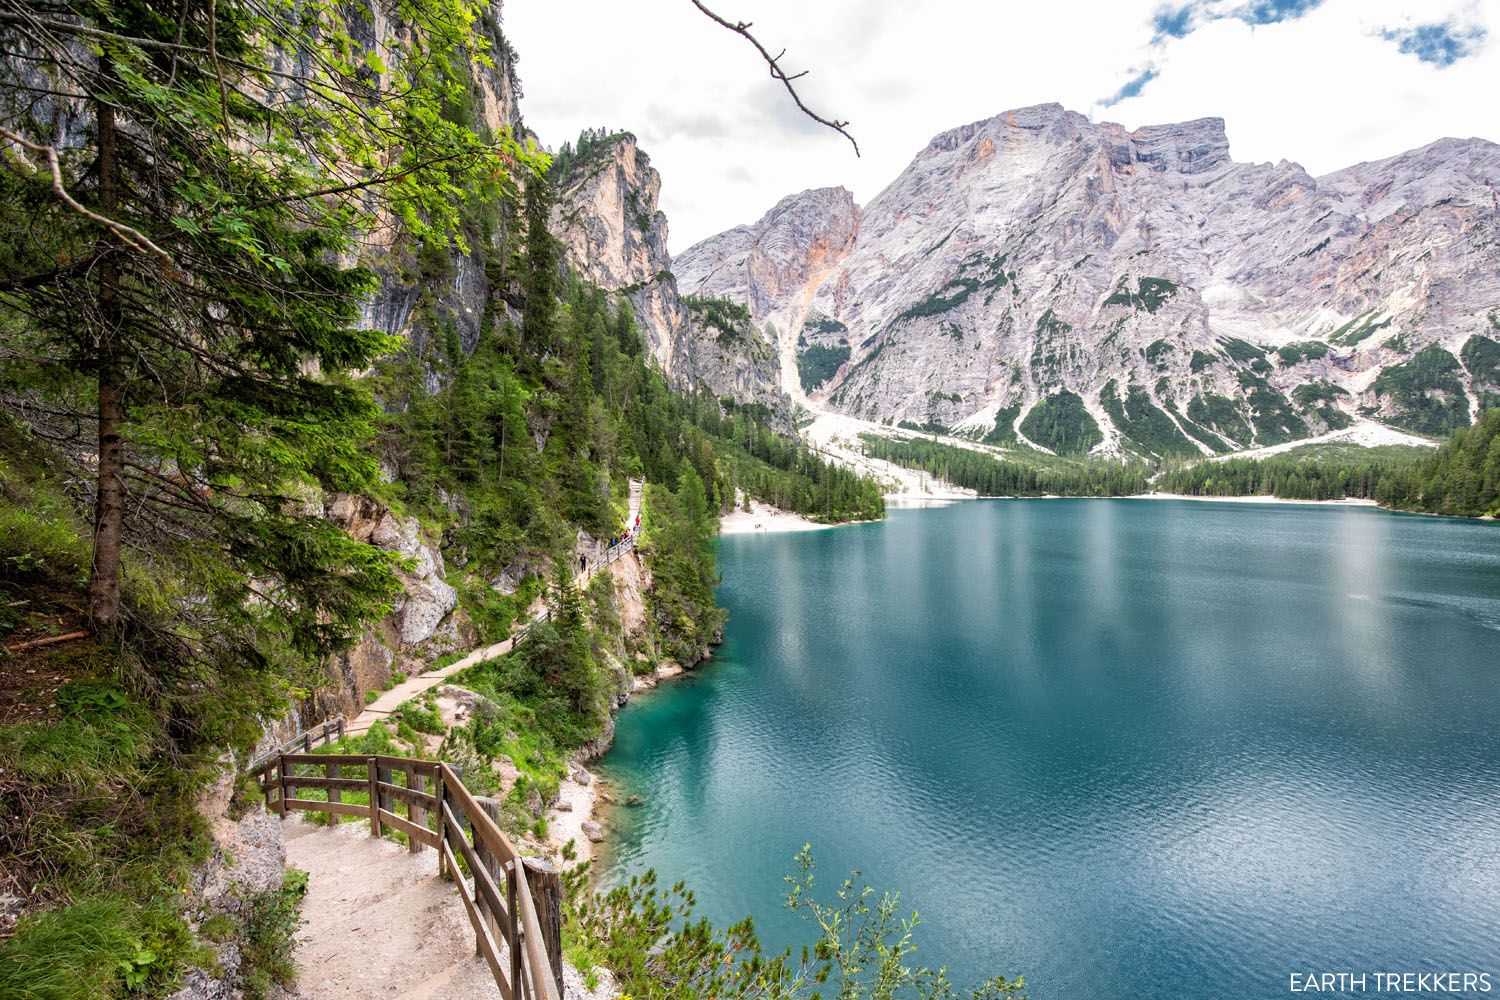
column 774, row 266
column 614, row 235
column 1190, row 302
column 414, row 299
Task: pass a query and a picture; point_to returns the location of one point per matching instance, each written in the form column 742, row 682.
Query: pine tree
column 181, row 298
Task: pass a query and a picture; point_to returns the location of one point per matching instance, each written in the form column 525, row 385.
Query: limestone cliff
column 416, row 298
column 615, row 236
column 1142, row 286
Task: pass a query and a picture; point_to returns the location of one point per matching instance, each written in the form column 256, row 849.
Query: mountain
column 614, row 236
column 1041, row 278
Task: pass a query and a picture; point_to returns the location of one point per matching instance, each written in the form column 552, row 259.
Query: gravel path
column 388, row 701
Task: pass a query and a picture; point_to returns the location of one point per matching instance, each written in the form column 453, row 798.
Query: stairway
column 378, row 922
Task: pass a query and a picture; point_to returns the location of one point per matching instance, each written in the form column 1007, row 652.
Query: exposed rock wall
column 1037, row 251
column 614, row 235
column 424, row 623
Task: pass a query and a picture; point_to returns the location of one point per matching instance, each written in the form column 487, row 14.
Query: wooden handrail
column 529, row 973
column 324, row 732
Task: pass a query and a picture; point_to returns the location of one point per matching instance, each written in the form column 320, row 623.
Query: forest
column 1029, row 475
column 190, row 264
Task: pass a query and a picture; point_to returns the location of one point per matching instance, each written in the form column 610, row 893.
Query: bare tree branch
column 128, row 235
column 742, row 28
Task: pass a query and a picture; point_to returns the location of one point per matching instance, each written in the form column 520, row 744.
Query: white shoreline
column 765, row 518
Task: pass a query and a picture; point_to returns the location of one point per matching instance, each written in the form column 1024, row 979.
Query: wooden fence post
column 491, row 864
column 374, row 798
column 418, row 815
column 440, row 791
column 517, row 932
column 281, row 767
column 334, row 795
column 545, row 882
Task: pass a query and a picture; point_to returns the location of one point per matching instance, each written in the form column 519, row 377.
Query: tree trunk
column 109, row 508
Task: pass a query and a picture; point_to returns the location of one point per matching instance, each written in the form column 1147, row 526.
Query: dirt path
column 378, row 922
column 389, row 701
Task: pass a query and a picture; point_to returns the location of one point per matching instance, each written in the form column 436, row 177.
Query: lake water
column 1127, row 748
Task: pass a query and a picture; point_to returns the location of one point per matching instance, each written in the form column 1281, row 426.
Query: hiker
column 583, row 563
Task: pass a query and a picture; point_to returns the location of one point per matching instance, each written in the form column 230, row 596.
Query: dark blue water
column 1127, row 748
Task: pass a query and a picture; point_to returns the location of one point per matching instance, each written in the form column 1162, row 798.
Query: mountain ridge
column 1036, row 253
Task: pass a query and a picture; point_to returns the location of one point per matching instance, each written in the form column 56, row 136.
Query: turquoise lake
column 1126, row 748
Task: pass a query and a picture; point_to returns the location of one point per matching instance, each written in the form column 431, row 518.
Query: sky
column 1325, row 83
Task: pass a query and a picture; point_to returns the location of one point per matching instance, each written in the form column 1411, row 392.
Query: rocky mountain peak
column 614, row 235
column 1140, row 288
column 1193, row 147
column 782, row 252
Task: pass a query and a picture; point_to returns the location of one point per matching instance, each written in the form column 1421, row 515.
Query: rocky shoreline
column 576, row 812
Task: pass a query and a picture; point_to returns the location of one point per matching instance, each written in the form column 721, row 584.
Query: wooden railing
column 432, row 808
column 614, row 552
column 325, row 732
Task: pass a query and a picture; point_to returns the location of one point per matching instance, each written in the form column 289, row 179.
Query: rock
column 248, row 860
column 583, row 777
column 507, row 770
column 592, row 830
column 614, row 236
column 11, row 908
column 1037, row 252
column 563, row 806
column 464, row 701
column 635, row 801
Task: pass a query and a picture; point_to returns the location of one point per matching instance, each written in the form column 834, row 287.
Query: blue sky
column 1327, row 83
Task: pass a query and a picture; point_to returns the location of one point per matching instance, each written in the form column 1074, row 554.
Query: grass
column 268, row 965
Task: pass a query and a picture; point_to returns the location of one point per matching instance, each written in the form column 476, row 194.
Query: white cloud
column 1327, row 89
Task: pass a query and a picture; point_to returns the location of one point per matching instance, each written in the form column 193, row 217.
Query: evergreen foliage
column 819, row 363
column 1062, row 423
column 1425, row 392
column 1462, row 477
column 1143, row 422
column 995, row 477
column 1308, row 473
column 574, row 157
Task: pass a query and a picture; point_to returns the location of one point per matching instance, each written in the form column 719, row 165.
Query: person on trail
column 583, row 563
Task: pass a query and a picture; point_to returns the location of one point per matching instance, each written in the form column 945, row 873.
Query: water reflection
column 1124, row 742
